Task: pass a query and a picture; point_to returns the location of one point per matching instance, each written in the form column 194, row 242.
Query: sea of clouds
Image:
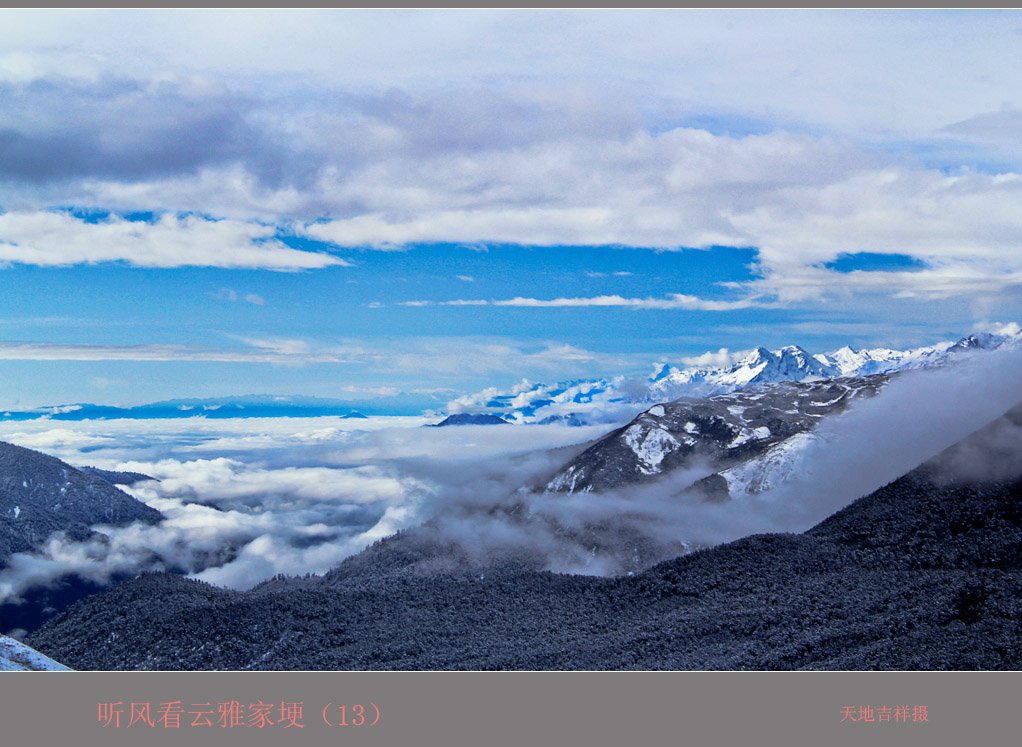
column 246, row 499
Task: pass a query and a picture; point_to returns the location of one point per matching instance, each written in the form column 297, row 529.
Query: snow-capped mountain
column 761, row 366
column 721, row 432
column 594, row 401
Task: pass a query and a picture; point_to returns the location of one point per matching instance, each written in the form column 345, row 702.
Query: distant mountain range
column 594, row 401
column 249, row 406
column 578, row 402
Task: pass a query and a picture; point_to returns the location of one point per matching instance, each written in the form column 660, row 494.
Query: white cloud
column 372, row 391
column 720, row 359
column 229, row 294
column 965, row 227
column 537, row 136
column 402, row 357
column 666, row 191
column 225, row 294
column 671, row 301
column 861, row 70
column 281, row 352
column 55, row 239
column 1009, row 328
column 222, row 479
column 297, row 495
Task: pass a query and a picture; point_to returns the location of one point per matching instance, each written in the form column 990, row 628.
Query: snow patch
column 17, row 657
column 769, row 470
column 746, row 435
column 650, row 447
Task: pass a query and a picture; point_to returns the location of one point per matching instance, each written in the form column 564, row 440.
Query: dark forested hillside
column 40, row 494
column 923, row 573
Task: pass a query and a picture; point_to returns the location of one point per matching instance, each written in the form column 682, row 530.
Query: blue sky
column 436, row 202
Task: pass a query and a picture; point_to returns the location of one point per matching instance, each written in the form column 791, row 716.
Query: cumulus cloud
column 720, row 359
column 965, row 227
column 524, row 149
column 665, row 190
column 1009, row 328
column 55, row 238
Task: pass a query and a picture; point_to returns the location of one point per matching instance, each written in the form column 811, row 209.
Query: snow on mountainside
column 17, row 657
column 613, row 400
column 769, row 470
column 716, row 433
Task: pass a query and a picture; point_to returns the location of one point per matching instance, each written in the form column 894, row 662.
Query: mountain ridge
column 923, row 573
column 40, row 495
column 613, row 400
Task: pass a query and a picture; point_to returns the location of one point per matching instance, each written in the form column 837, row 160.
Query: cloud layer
column 812, row 146
column 248, row 499
column 55, row 239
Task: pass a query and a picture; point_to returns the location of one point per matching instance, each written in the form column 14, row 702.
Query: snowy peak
column 616, row 400
column 758, row 357
column 981, row 341
column 761, row 366
column 721, row 431
column 791, row 363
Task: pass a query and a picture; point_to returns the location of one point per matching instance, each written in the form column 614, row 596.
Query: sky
column 358, row 204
